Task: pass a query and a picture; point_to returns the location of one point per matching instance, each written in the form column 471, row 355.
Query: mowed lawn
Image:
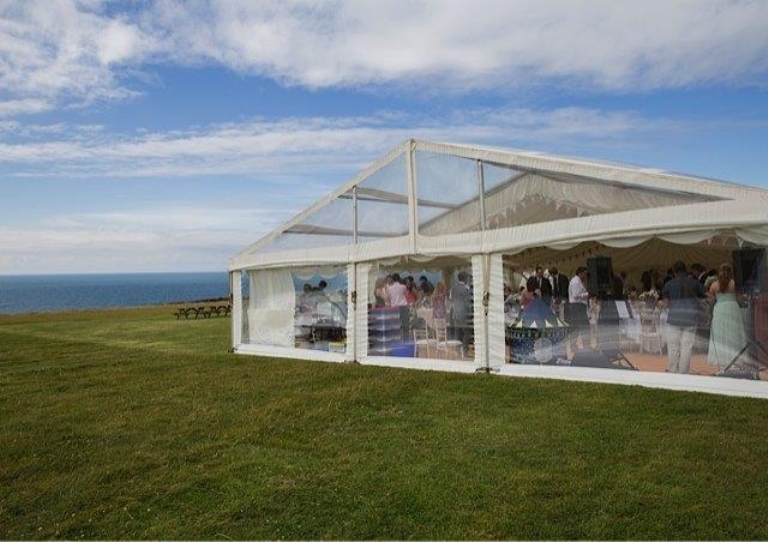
column 131, row 424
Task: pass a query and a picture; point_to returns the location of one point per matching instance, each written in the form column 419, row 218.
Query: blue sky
column 166, row 136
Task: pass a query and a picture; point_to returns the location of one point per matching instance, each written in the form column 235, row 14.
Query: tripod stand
column 753, row 343
column 608, row 323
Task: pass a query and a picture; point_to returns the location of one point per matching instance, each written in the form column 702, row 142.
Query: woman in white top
column 576, row 310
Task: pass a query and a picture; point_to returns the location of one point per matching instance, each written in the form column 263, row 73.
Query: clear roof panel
column 514, row 198
column 382, row 219
column 297, row 241
column 447, row 201
column 445, row 178
column 446, row 184
column 337, row 215
column 382, row 201
column 494, row 176
column 331, row 225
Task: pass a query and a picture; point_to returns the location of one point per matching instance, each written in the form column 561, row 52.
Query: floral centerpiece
column 649, row 298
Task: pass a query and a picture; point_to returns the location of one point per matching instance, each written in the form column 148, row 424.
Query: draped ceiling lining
column 653, row 253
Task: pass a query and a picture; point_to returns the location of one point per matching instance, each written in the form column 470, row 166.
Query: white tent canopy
column 484, row 209
column 440, row 199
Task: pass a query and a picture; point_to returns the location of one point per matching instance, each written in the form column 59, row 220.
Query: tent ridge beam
column 319, row 230
column 382, row 196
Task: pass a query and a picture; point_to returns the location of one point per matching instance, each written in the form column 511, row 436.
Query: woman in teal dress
column 727, row 335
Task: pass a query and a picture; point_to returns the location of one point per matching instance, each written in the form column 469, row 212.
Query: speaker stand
column 609, row 320
column 618, row 355
column 752, row 343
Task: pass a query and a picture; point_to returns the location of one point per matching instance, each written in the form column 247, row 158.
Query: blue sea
column 47, row 293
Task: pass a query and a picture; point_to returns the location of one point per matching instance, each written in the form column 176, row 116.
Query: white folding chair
column 422, row 341
column 650, row 333
column 444, row 344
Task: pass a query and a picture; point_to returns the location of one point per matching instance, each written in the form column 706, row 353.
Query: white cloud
column 165, row 238
column 89, row 50
column 600, row 44
column 298, row 147
column 166, row 218
column 65, row 49
column 118, row 42
column 162, row 240
column 457, row 45
column 40, row 250
column 24, row 106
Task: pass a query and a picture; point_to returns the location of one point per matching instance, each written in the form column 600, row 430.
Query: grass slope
column 130, row 424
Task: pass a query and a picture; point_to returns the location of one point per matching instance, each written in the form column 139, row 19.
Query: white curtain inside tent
column 271, row 309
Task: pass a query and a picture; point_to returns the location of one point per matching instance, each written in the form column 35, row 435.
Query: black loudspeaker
column 600, row 276
column 750, row 270
column 589, row 358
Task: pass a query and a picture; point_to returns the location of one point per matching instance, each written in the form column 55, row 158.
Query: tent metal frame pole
column 481, row 193
column 350, row 354
column 486, row 262
column 413, row 223
column 236, row 287
column 354, row 215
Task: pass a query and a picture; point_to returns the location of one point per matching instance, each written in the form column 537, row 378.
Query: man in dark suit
column 559, row 290
column 560, row 282
column 699, row 272
column 543, row 286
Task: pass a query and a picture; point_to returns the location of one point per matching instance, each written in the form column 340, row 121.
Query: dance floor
column 655, row 362
column 658, row 362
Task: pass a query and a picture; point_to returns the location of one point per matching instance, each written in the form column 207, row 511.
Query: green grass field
column 130, row 424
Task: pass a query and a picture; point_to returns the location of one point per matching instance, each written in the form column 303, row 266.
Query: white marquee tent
column 441, row 207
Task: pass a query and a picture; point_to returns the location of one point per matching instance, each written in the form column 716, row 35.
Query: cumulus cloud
column 66, row 49
column 86, row 50
column 474, row 45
